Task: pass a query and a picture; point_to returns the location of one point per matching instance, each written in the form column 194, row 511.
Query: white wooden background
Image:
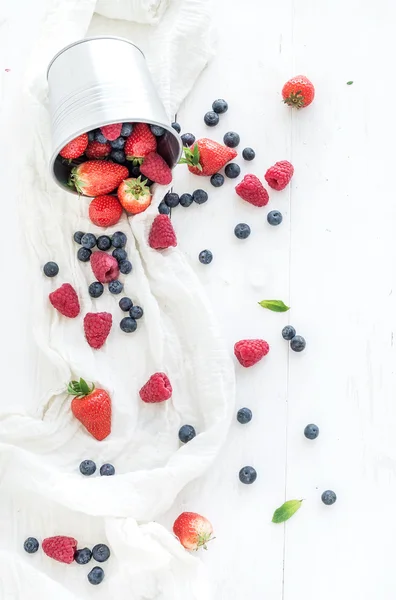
column 332, row 260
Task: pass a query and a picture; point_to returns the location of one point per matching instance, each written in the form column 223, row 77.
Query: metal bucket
column 98, row 81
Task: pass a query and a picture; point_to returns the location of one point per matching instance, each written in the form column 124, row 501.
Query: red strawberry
column 60, row 548
column 140, row 143
column 105, row 211
column 75, row 148
column 279, row 175
column 97, row 177
column 194, row 531
column 111, row 132
column 97, row 150
column 97, row 327
column 206, row 157
column 92, row 407
column 134, row 195
column 162, row 235
column 298, row 92
column 155, row 168
column 252, row 190
column 65, row 300
column 249, row 352
column 104, row 266
column 157, row 389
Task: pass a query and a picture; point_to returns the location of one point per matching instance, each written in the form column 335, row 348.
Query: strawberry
column 97, row 177
column 194, row 531
column 104, row 266
column 96, row 328
column 111, row 132
column 97, row 150
column 155, row 168
column 206, row 157
column 134, row 195
column 60, row 548
column 162, row 235
column 298, row 92
column 252, row 190
column 105, row 211
column 75, row 148
column 65, row 300
column 157, row 389
column 140, row 143
column 92, row 407
column 249, row 352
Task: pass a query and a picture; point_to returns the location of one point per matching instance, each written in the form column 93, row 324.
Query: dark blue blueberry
column 51, row 269
column 84, row 254
column 157, row 130
column 125, row 304
column 188, row 139
column 242, row 231
column 205, row 257
column 217, row 180
column 134, row 171
column 136, row 312
column 107, row 470
column 91, row 136
column 118, row 156
column 120, row 254
column 220, row 106
column 329, row 497
column 211, row 118
column 118, row 144
column 232, row 170
column 186, row 433
column 244, row 415
column 87, row 467
column 88, row 240
column 95, row 290
column 200, row 196
column 103, row 242
column 297, row 344
column 100, row 552
column 288, row 332
column 274, row 217
column 176, row 127
column 231, row 139
column 99, row 137
column 311, row 431
column 126, row 129
column 83, row 556
column 31, row 545
column 248, row 153
column 186, row 200
column 116, row 287
column 118, row 239
column 78, row 236
column 163, row 209
column 96, row 576
column 125, row 266
column 171, row 199
column 128, row 325
column 247, row 475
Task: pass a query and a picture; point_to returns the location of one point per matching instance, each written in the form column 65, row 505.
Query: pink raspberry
column 157, row 389
column 249, row 352
column 65, row 300
column 279, row 175
column 104, row 266
column 162, row 235
column 111, row 132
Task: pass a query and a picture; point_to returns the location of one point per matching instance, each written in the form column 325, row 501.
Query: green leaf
column 275, row 305
column 349, row 82
column 287, row 510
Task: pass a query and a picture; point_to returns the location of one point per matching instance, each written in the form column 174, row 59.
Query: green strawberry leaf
column 349, row 82
column 287, row 510
column 274, row 305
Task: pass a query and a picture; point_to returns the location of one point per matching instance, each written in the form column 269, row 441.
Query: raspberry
column 104, row 266
column 60, row 548
column 155, row 168
column 97, row 327
column 162, row 235
column 105, row 211
column 65, row 300
column 97, row 150
column 157, row 389
column 279, row 175
column 249, row 352
column 111, row 132
column 252, row 190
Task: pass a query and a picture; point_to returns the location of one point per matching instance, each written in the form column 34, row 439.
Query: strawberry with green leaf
column 92, row 407
column 207, row 157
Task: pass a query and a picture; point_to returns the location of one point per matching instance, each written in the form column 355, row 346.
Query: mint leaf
column 275, row 305
column 349, row 82
column 287, row 510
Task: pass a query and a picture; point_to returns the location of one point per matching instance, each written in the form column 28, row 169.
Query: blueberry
column 211, row 118
column 118, row 156
column 186, row 200
column 91, row 135
column 217, row 180
column 128, row 325
column 103, row 242
column 87, row 467
column 205, row 257
column 244, row 415
column 125, row 267
column 188, row 139
column 232, row 170
column 125, row 304
column 136, row 312
column 248, row 153
column 116, row 287
column 231, row 139
column 118, row 144
column 83, row 556
column 99, row 137
column 118, row 239
column 200, row 196
column 163, row 208
column 107, row 470
column 88, row 240
column 134, row 171
column 100, row 552
column 157, row 130
column 84, row 254
column 126, row 129
column 220, row 106
column 297, row 344
column 78, row 236
column 31, row 545
column 274, row 217
column 242, row 231
column 95, row 290
column 176, row 127
column 288, row 332
column 329, row 497
column 247, row 475
column 171, row 199
column 186, row 433
column 96, row 575
column 51, row 269
column 311, row 431
column 120, row 254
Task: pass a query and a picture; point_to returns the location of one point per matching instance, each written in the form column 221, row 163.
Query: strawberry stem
column 191, row 157
column 79, row 388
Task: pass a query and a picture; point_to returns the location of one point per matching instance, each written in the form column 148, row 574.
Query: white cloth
column 41, row 445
